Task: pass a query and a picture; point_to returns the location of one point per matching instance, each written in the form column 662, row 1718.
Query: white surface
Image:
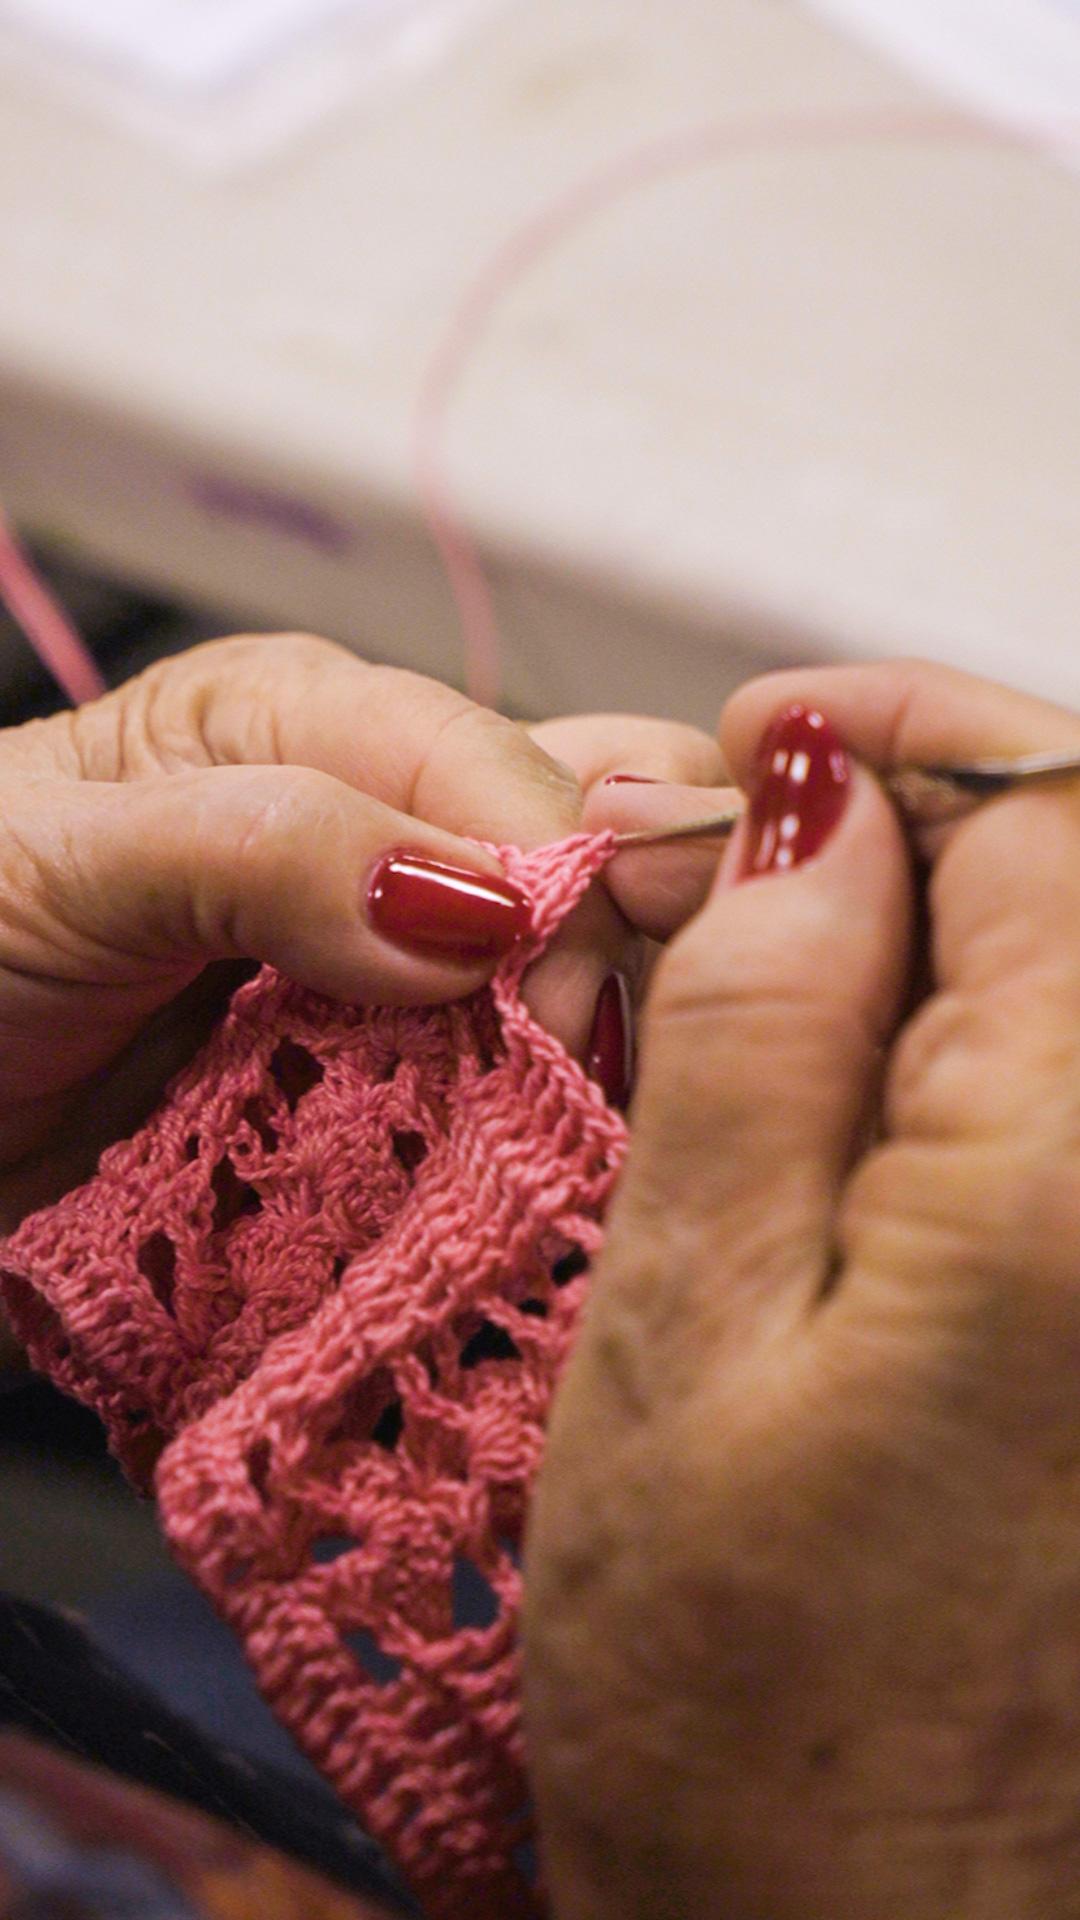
column 804, row 401
column 188, row 43
column 1018, row 59
column 222, row 84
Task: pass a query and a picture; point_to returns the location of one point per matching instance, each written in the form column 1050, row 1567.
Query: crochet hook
column 719, row 824
column 926, row 796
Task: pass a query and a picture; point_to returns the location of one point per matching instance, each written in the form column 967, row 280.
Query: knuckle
column 299, row 649
column 282, row 811
column 218, row 667
column 1003, row 1063
column 293, row 644
column 249, row 851
column 404, row 686
column 52, row 745
column 912, row 685
column 208, row 657
column 477, row 736
column 987, row 1232
column 685, row 753
column 927, row 1085
column 277, row 816
column 232, row 702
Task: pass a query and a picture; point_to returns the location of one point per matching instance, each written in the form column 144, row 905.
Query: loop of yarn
column 320, row 1303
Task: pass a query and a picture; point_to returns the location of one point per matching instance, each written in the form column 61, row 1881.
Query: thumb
column 761, row 1056
column 128, row 883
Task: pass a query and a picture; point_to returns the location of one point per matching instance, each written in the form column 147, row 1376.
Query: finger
column 134, row 882
column 990, row 1063
column 1004, row 890
column 658, row 888
column 417, row 746
column 761, row 1055
column 296, row 700
column 978, row 1171
column 639, row 773
column 632, row 752
column 902, row 713
column 596, row 745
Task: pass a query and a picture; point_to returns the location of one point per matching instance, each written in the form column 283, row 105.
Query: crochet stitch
column 320, row 1302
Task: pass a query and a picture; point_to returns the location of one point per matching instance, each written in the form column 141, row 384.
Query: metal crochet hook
column 714, row 824
column 926, row 796
column 929, row 795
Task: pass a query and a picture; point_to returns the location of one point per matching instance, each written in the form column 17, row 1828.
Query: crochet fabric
column 320, row 1302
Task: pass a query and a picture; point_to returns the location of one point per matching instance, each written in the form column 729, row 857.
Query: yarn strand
column 321, row 1302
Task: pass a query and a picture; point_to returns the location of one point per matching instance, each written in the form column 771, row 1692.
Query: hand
column 803, row 1593
column 231, row 805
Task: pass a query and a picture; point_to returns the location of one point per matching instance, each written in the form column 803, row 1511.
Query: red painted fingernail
column 609, row 1057
column 423, row 903
column 632, row 780
column 798, row 793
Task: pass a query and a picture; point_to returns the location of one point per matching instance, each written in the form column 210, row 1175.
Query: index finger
column 412, row 743
column 292, row 699
column 993, row 1051
column 902, row 713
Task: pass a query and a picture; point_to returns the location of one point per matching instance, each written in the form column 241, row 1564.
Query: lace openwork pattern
column 320, row 1302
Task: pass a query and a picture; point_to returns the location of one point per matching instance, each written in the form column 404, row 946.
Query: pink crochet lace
column 321, row 1301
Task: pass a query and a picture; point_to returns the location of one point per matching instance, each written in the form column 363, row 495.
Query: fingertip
column 798, row 788
column 428, row 905
column 833, row 924
column 601, row 746
column 488, row 779
column 900, row 712
column 658, row 887
column 292, row 867
column 756, row 706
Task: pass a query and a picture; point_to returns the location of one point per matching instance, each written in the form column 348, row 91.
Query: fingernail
column 423, row 903
column 632, row 780
column 609, row 1057
column 798, row 792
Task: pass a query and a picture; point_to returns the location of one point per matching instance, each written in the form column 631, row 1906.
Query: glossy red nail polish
column 798, row 793
column 609, row 1057
column 452, row 910
column 631, row 780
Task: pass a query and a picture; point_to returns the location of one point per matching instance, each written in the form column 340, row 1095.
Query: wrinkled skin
column 803, row 1635
column 227, row 807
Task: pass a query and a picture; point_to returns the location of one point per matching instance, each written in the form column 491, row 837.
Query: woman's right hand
column 803, row 1596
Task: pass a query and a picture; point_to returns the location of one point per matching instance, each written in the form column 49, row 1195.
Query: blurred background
column 722, row 334
column 788, row 369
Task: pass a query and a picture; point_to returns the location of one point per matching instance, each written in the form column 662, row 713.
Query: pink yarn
column 331, row 1284
column 33, row 607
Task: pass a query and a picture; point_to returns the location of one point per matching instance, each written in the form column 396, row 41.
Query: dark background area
column 124, row 628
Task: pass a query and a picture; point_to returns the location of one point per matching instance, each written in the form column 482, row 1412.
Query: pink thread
column 528, row 243
column 59, row 646
column 321, row 1302
column 48, row 629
